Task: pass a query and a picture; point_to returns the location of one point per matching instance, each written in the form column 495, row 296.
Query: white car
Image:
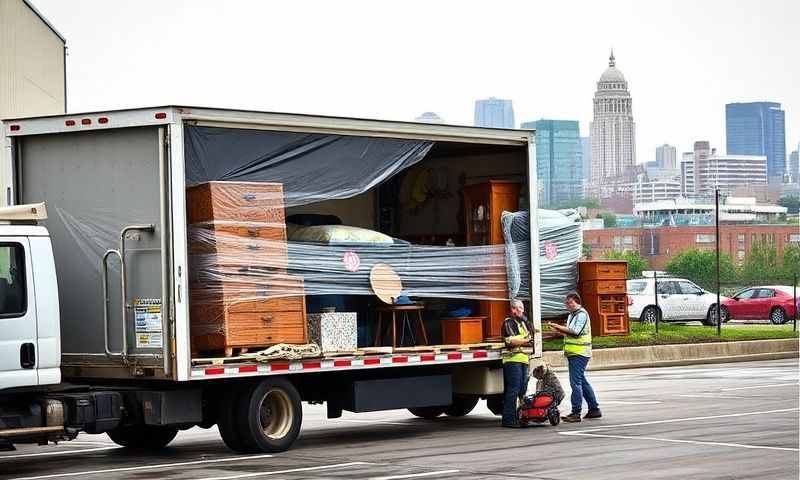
column 678, row 299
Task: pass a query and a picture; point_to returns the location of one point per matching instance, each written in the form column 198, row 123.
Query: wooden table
column 405, row 312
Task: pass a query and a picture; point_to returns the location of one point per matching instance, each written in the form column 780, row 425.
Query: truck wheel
column 461, row 406
column 269, row 416
column 143, row 437
column 495, row 404
column 427, row 412
column 226, row 420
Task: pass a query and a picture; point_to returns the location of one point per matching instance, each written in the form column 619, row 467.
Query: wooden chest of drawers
column 603, row 288
column 241, row 296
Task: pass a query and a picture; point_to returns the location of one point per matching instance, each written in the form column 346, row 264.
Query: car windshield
column 636, row 286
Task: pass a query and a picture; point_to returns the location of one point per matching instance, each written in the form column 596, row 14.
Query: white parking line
column 716, row 395
column 374, row 422
column 674, row 420
column 621, row 402
column 416, row 475
column 695, row 442
column 761, row 386
column 591, row 432
column 59, row 452
column 145, row 467
column 291, row 470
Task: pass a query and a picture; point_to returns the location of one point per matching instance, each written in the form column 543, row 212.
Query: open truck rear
column 115, row 185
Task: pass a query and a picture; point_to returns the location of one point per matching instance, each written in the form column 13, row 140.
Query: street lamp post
column 719, row 306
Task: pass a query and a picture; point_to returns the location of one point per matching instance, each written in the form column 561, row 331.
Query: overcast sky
column 393, row 60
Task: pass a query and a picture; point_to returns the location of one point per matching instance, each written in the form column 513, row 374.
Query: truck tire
column 428, row 413
column 143, row 437
column 269, row 416
column 227, row 420
column 461, row 406
column 495, row 404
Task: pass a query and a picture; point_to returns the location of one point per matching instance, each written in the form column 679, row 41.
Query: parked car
column 678, row 300
column 773, row 302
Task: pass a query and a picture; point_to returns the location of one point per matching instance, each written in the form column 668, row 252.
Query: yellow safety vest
column 516, row 354
column 581, row 345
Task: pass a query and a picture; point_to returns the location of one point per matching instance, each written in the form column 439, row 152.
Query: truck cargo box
column 115, row 185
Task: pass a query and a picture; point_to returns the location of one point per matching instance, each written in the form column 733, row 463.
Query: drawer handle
column 253, row 232
column 254, row 247
column 249, row 197
column 266, row 318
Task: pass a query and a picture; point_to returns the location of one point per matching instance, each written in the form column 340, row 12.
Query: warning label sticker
column 147, row 315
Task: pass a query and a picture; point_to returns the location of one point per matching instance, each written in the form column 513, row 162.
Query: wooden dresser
column 603, row 288
column 241, row 296
column 484, row 203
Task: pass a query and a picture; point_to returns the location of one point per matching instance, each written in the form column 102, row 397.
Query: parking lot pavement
column 710, row 421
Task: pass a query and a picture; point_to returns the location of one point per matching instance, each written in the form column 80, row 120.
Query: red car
column 775, row 303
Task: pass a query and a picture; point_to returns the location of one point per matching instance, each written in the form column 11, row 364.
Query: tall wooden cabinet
column 484, row 203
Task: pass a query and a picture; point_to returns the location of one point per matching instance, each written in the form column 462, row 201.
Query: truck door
column 104, row 192
column 18, row 345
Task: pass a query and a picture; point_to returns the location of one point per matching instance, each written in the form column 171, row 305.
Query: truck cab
column 34, row 407
column 30, row 349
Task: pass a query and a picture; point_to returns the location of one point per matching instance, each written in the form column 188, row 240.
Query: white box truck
column 74, row 355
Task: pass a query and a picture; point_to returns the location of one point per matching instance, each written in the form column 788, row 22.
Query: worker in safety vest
column 578, row 349
column 517, row 334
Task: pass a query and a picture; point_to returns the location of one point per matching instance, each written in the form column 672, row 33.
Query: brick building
column 660, row 244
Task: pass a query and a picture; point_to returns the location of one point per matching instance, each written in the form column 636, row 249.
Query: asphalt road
column 725, row 421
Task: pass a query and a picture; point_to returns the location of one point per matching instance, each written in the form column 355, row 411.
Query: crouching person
column 547, row 382
column 517, row 333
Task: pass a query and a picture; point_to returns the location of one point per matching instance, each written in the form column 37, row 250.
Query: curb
column 683, row 354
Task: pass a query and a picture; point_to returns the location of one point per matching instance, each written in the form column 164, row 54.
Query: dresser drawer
column 265, row 328
column 603, row 286
column 236, row 201
column 602, row 270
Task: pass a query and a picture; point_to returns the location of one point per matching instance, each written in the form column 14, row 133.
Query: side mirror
column 701, row 292
column 736, row 299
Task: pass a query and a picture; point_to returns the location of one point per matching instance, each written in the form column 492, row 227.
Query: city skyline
column 671, row 52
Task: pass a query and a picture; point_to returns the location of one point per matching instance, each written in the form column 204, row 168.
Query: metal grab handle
column 123, row 289
column 106, row 299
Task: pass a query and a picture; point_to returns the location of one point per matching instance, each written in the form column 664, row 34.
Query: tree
column 700, row 266
column 761, row 265
column 609, row 219
column 791, row 262
column 636, row 262
column 791, row 203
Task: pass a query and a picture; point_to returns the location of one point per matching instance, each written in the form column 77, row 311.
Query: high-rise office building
column 494, row 112
column 666, row 157
column 687, row 174
column 794, row 165
column 559, row 162
column 704, row 170
column 613, row 133
column 586, row 151
column 726, row 172
column 758, row 128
